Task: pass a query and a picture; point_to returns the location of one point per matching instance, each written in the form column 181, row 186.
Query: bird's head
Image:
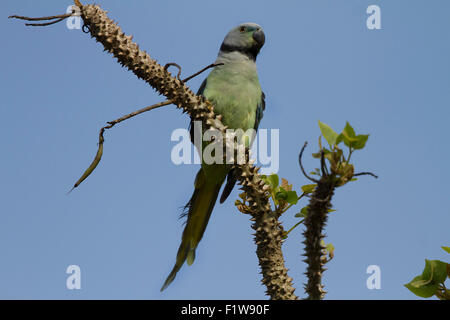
column 247, row 38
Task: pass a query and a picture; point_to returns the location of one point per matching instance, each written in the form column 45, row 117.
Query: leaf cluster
column 340, row 167
column 432, row 280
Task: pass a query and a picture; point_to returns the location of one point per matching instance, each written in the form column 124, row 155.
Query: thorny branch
column 268, row 236
column 315, row 221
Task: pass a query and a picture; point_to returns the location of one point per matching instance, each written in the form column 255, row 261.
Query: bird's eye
column 242, row 29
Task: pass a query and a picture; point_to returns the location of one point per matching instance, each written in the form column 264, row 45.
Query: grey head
column 247, row 38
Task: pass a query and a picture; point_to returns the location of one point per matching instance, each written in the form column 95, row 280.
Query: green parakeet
column 234, row 90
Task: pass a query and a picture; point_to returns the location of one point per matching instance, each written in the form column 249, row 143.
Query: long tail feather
column 200, row 207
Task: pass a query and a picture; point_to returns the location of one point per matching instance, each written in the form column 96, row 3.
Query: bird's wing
column 260, row 110
column 231, row 177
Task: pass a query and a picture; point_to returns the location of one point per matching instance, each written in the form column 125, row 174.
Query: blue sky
column 121, row 225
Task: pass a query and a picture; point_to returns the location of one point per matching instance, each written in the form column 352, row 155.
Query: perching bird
column 234, row 90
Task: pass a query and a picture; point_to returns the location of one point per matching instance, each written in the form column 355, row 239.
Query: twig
column 323, row 166
column 112, row 123
column 59, row 18
column 175, row 65
column 161, row 104
column 101, row 139
column 212, row 65
column 135, row 113
column 44, row 24
column 295, row 226
column 301, row 164
column 43, row 18
column 366, row 174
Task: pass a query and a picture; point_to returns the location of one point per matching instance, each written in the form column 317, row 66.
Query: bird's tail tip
column 190, row 256
column 168, row 281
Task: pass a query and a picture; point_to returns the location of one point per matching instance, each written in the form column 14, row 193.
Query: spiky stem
column 315, row 222
column 268, row 239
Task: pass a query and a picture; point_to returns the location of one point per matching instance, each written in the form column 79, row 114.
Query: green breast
column 235, row 94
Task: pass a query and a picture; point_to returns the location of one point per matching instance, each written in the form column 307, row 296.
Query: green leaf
column 331, row 210
column 292, row 197
column 427, row 273
column 426, row 285
column 349, row 131
column 447, row 249
column 272, row 180
column 419, row 288
column 361, row 141
column 329, row 134
column 348, row 135
column 435, row 271
column 303, row 213
column 348, row 141
column 281, row 194
column 330, row 248
column 309, row 188
column 340, row 138
column 439, row 271
column 420, row 283
column 318, row 155
column 352, row 140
